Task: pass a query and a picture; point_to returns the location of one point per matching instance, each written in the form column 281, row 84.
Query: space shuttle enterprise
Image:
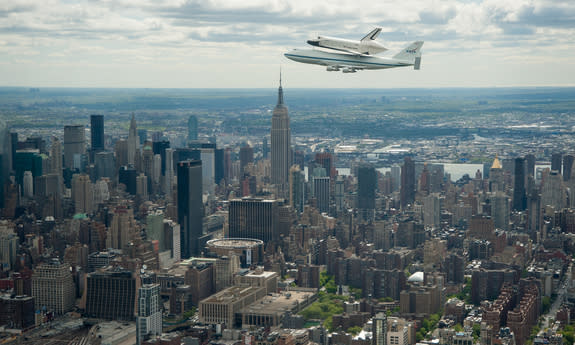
column 352, row 56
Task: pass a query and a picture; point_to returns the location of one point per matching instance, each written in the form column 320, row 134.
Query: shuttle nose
column 313, row 42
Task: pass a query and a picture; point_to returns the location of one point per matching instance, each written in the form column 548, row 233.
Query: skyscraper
column 519, row 199
column 104, row 165
column 192, row 127
column 111, row 295
column 74, row 146
column 556, row 161
column 169, row 174
column 296, row 188
column 122, row 227
column 432, row 211
column 500, row 210
column 133, row 141
column 530, row 164
column 339, row 193
column 321, row 192
column 567, row 166
column 379, row 329
column 97, row 132
column 5, row 158
column 325, row 159
column 281, row 145
column 53, row 287
column 149, row 321
column 254, row 218
column 407, row 182
column 246, row 156
column 159, row 148
column 366, row 186
column 190, row 207
column 8, row 249
column 82, row 193
column 28, row 185
column 553, row 191
column 56, row 156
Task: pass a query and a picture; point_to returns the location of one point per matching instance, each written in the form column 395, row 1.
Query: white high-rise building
column 28, row 185
column 101, row 191
column 149, row 320
column 156, row 169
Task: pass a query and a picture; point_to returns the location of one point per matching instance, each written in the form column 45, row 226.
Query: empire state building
column 280, row 145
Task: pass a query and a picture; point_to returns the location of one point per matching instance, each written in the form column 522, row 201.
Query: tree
column 546, row 304
column 476, row 331
column 354, row 330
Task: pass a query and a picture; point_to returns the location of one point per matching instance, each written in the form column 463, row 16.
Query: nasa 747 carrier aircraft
column 357, row 54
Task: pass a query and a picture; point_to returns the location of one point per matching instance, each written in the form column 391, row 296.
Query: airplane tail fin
column 411, row 52
column 371, row 35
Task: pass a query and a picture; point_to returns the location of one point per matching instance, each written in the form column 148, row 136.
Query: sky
column 240, row 43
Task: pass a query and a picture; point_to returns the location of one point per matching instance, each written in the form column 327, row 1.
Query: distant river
column 456, row 170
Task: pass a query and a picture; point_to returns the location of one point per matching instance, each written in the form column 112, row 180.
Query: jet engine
column 348, row 70
column 332, row 68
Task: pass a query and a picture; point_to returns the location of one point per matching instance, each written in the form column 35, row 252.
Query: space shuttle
column 366, row 46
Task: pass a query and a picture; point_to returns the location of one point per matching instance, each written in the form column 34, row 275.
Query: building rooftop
column 279, row 303
column 231, row 294
column 417, row 277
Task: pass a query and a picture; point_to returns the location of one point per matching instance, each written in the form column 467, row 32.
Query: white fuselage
column 370, row 47
column 351, row 62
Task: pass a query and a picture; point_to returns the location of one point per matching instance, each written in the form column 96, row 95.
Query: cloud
column 150, row 32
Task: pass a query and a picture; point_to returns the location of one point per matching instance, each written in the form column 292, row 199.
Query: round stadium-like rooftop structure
column 250, row 250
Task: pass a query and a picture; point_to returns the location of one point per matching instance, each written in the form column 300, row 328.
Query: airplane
column 367, row 45
column 351, row 63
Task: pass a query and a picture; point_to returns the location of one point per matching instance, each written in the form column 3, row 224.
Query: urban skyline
column 419, row 211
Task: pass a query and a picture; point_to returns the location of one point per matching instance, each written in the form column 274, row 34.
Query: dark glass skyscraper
column 407, row 182
column 111, row 295
column 366, row 186
column 567, row 166
column 530, row 164
column 254, row 218
column 190, row 207
column 281, row 145
column 97, row 132
column 246, row 156
column 5, row 158
column 519, row 199
column 556, row 162
column 321, row 192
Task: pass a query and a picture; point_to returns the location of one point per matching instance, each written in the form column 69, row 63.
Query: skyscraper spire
column 280, row 91
column 133, row 130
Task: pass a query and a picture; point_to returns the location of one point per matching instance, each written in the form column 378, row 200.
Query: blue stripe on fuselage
column 344, row 61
